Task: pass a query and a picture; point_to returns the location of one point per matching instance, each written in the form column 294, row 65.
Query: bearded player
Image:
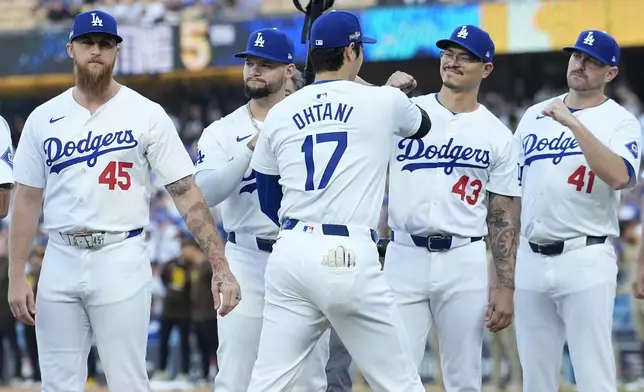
column 89, row 153
column 224, row 175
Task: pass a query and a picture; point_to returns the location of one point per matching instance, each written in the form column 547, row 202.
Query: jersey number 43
column 307, row 148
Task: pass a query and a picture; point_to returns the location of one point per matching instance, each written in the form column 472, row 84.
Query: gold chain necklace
column 252, row 120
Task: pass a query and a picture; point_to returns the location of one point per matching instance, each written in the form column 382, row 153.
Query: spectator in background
column 176, row 279
column 194, row 125
column 203, row 314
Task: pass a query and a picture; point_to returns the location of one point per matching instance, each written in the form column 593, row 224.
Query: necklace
column 252, row 120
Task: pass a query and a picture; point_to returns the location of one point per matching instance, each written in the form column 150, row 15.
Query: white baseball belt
column 87, row 240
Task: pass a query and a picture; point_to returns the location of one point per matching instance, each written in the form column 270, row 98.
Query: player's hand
column 225, row 290
column 558, row 111
column 403, row 81
column 638, row 283
column 500, row 308
column 339, row 257
column 21, row 300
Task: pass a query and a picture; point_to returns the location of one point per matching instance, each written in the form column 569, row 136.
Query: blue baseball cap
column 94, row 21
column 269, row 44
column 597, row 44
column 474, row 39
column 337, row 29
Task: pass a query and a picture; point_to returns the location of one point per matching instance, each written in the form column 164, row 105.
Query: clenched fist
column 558, row 111
column 403, row 81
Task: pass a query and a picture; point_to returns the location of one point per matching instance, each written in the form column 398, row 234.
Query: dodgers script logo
column 452, row 155
column 535, row 148
column 88, row 149
column 250, row 187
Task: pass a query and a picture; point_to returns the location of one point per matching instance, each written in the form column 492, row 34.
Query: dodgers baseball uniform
column 325, row 150
column 6, row 149
column 223, row 173
column 436, row 262
column 566, row 265
column 95, row 172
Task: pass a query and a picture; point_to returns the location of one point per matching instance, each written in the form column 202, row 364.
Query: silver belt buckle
column 87, row 240
column 434, row 238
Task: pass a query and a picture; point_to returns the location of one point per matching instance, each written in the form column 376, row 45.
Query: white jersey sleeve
column 264, row 159
column 504, row 175
column 28, row 165
column 6, row 149
column 626, row 142
column 406, row 114
column 165, row 151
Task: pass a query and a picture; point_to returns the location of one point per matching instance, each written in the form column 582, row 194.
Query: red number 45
column 115, row 173
column 577, row 179
column 461, row 186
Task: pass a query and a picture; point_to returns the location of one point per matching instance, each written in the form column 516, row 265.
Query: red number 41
column 461, row 186
column 115, row 173
column 577, row 179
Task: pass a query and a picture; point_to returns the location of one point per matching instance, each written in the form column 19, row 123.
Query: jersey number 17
column 307, row 148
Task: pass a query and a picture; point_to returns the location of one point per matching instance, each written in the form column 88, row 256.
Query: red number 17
column 577, row 179
column 115, row 173
column 461, row 186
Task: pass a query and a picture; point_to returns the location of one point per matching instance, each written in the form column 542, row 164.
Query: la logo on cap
column 96, row 21
column 589, row 40
column 463, row 33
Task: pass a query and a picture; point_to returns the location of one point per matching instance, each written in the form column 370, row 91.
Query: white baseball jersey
column 95, row 169
column 222, row 142
column 439, row 184
column 330, row 143
column 561, row 197
column 6, row 149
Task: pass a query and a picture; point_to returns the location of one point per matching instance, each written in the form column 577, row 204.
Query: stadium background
column 179, row 53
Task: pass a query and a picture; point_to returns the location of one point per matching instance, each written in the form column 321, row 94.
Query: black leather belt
column 556, row 248
column 434, row 243
column 327, row 229
column 262, row 243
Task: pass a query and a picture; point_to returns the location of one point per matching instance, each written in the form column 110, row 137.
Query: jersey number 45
column 115, row 173
column 307, row 148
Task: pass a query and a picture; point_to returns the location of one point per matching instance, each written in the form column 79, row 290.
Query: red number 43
column 115, row 173
column 577, row 179
column 460, row 188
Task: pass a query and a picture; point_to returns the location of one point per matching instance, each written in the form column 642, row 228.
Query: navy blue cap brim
column 367, row 40
column 116, row 37
column 262, row 55
column 570, row 49
column 445, row 43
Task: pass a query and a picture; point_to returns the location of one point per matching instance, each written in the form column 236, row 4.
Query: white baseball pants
column 566, row 297
column 75, row 303
column 303, row 296
column 449, row 289
column 240, row 330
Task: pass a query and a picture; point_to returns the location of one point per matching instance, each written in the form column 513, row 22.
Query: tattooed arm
column 503, row 236
column 503, row 239
column 193, row 208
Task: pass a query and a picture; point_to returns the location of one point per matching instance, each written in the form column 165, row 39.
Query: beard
column 92, row 81
column 264, row 91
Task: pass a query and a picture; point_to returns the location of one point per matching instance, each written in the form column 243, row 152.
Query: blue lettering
column 327, row 112
column 251, row 187
column 323, row 112
column 535, row 148
column 447, row 157
column 298, row 121
column 90, row 148
column 308, row 115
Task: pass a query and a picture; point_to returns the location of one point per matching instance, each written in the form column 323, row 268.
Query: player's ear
column 611, row 74
column 487, row 69
column 70, row 53
column 349, row 52
column 290, row 71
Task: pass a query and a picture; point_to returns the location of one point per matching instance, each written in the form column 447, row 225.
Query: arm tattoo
column 503, row 237
column 194, row 211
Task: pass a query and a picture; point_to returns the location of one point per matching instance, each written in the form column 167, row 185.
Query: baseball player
column 579, row 150
column 6, row 167
column 224, row 175
column 88, row 153
column 325, row 149
column 447, row 191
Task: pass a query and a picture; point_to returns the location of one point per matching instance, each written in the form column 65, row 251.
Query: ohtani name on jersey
column 453, row 155
column 87, row 149
column 555, row 148
column 323, row 112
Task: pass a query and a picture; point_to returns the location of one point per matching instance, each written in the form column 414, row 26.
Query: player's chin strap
column 313, row 10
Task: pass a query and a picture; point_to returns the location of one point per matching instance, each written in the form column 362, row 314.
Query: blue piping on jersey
column 572, row 110
column 269, row 192
column 439, row 102
column 631, row 172
column 326, row 81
